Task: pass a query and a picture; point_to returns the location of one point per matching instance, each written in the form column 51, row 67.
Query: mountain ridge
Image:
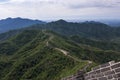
column 16, row 23
column 45, row 55
column 92, row 30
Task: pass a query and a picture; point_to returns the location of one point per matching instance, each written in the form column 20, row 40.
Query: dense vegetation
column 93, row 30
column 31, row 53
column 26, row 56
column 105, row 45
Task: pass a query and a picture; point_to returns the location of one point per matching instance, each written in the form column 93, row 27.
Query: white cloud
column 90, row 3
column 48, row 9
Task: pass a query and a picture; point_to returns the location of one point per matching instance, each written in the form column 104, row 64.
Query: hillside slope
column 92, row 30
column 30, row 58
column 45, row 55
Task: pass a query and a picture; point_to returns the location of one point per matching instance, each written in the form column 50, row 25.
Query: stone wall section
column 107, row 71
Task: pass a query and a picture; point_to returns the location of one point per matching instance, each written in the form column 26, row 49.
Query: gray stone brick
column 93, row 79
column 110, row 77
column 114, row 79
column 100, row 75
column 86, row 74
column 105, row 69
column 109, row 73
column 116, row 66
column 105, row 65
column 117, row 70
column 92, row 73
column 93, row 76
column 102, row 78
column 97, row 71
column 115, row 76
column 118, row 78
column 118, row 74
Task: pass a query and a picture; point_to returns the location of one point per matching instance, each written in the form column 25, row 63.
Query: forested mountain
column 105, row 45
column 45, row 55
column 16, row 23
column 93, row 30
column 57, row 49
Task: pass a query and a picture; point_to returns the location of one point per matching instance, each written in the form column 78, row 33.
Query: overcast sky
column 60, row 9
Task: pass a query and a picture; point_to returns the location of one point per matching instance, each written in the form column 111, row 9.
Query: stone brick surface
column 107, row 71
column 117, row 65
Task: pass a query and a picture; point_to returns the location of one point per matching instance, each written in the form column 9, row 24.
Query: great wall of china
column 107, row 71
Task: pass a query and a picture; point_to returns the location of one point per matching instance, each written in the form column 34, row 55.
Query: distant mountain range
column 93, row 30
column 88, row 29
column 16, row 23
column 112, row 23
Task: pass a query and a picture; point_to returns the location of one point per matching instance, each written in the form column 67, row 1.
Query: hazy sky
column 60, row 9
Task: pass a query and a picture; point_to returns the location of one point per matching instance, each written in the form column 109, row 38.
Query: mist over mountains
column 112, row 22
